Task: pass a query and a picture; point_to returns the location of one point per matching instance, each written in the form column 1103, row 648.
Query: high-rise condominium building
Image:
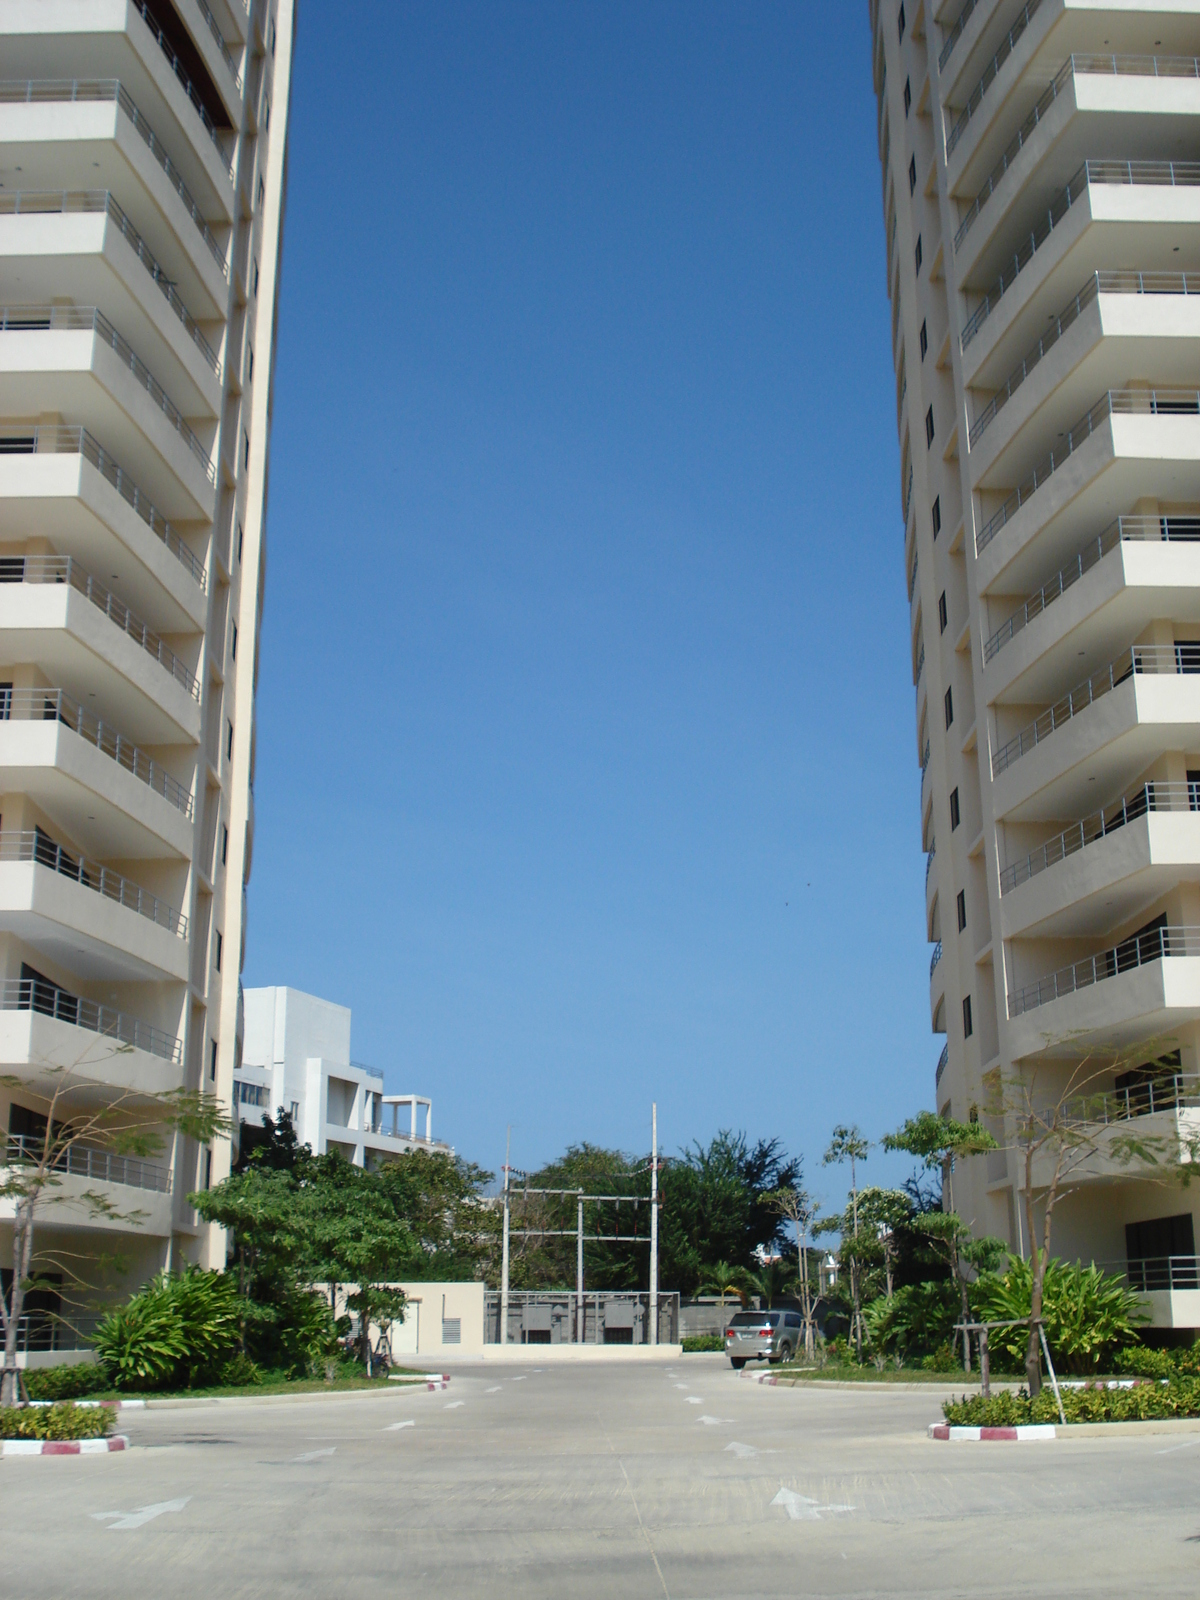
column 142, row 178
column 1041, row 192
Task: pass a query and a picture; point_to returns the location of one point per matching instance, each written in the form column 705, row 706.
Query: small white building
column 296, row 1054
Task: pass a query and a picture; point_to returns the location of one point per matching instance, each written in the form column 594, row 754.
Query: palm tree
column 721, row 1279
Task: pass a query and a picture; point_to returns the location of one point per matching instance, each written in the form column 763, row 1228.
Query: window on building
column 246, row 450
column 907, row 96
column 220, row 948
column 249, row 362
column 961, row 903
column 949, row 704
column 955, row 819
column 942, row 613
column 262, row 189
column 919, row 256
column 224, row 845
column 924, row 340
column 295, row 1111
column 208, row 1169
column 900, row 21
column 254, row 278
column 212, row 1060
column 968, row 1025
column 228, row 740
column 929, row 428
column 233, row 644
column 272, row 38
column 912, row 174
column 239, row 541
column 937, row 516
column 266, row 113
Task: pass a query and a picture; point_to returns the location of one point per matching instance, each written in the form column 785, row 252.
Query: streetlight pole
column 504, row 1248
column 654, row 1222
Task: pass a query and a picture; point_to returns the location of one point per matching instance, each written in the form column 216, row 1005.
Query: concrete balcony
column 967, row 125
column 43, row 1028
column 1147, row 986
column 1132, row 444
column 71, row 134
column 139, row 1192
column 1143, row 109
column 87, row 917
column 76, row 363
column 81, row 243
column 88, row 503
column 1103, row 869
column 1104, row 732
column 111, row 795
column 1111, row 213
column 1138, row 569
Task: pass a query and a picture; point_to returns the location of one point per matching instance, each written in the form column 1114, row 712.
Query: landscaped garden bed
column 1146, row 1400
column 61, row 1421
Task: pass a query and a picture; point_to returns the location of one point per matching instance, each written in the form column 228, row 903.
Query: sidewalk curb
column 63, row 1447
column 87, row 1405
column 431, row 1380
column 953, row 1384
column 1025, row 1433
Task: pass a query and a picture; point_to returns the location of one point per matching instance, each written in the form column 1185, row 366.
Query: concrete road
column 679, row 1481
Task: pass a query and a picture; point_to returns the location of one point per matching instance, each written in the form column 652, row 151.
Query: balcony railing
column 79, row 442
column 924, row 762
column 54, row 705
column 1099, row 283
column 912, row 577
column 1170, row 174
column 66, row 570
column 48, row 1000
column 943, row 1062
column 101, row 1166
column 952, row 38
column 935, row 957
column 189, row 88
column 1156, row 944
column 87, row 319
column 1176, row 1092
column 920, row 664
column 41, row 1331
column 1117, row 402
column 40, row 91
column 1128, row 66
column 1149, row 797
column 1185, row 530
column 36, row 847
column 929, row 860
column 1154, row 1274
column 1141, row 659
column 91, row 202
column 975, row 98
column 221, row 45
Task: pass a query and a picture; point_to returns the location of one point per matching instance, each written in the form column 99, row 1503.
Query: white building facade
column 142, row 179
column 296, row 1056
column 1041, row 194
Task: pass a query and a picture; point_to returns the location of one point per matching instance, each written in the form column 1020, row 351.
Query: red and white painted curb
column 86, row 1405
column 1024, row 1433
column 63, row 1447
column 431, row 1380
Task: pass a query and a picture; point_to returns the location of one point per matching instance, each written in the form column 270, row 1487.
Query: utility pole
column 654, row 1222
column 504, row 1248
column 579, row 1271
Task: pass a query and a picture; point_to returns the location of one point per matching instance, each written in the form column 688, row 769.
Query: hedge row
column 55, row 1422
column 1146, row 1402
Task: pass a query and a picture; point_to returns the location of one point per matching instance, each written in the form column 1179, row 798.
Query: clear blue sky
column 586, row 759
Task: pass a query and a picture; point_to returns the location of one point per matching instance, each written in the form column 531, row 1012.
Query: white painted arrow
column 393, row 1427
column 144, row 1514
column 710, row 1422
column 695, row 1399
column 495, row 1390
column 742, row 1451
column 800, row 1509
column 453, row 1405
column 315, row 1455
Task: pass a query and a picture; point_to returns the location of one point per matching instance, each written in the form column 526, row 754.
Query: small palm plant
column 723, row 1279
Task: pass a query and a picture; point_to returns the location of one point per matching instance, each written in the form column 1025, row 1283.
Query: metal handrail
column 1185, row 530
column 48, row 1000
column 55, row 705
column 180, row 72
column 1184, row 174
column 952, row 38
column 943, row 1061
column 1142, row 659
column 66, row 570
column 1117, row 402
column 1088, row 65
column 1155, row 796
column 93, row 201
column 1156, row 944
column 40, row 91
column 221, row 45
column 40, row 850
column 78, row 441
column 1099, row 283
column 1155, row 1274
column 88, row 319
column 42, row 1331
column 1178, row 1092
column 935, row 957
column 975, row 98
column 81, row 1161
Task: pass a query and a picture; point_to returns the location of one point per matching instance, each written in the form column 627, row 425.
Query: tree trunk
column 966, row 1314
column 10, row 1393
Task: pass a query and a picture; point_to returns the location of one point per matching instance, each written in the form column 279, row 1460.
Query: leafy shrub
column 1095, row 1403
column 701, row 1343
column 241, row 1372
column 839, row 1352
column 916, row 1320
column 1088, row 1315
column 1145, row 1362
column 177, row 1330
column 65, row 1421
column 75, row 1382
column 943, row 1359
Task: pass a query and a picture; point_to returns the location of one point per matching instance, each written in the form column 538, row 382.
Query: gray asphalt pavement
column 642, row 1482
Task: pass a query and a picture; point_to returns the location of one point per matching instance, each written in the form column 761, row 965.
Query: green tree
column 848, row 1144
column 1088, row 1315
column 723, row 1279
column 795, row 1205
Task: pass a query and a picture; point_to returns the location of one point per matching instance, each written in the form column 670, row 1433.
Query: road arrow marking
column 315, row 1455
column 711, row 1422
column 695, row 1400
column 800, row 1509
column 679, row 1386
column 144, row 1514
column 496, row 1390
column 394, row 1426
column 453, row 1405
column 742, row 1451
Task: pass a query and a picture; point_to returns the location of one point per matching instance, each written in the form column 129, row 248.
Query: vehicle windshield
column 755, row 1319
